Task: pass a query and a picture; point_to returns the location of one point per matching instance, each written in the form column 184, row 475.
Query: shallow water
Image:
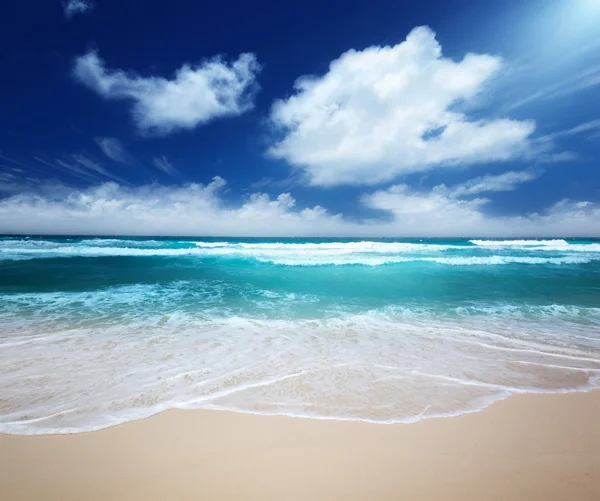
column 99, row 331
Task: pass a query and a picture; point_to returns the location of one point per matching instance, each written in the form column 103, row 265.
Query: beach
column 527, row 447
column 302, row 369
column 316, row 251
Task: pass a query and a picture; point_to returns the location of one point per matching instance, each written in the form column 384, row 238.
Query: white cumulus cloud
column 74, row 7
column 195, row 95
column 386, row 111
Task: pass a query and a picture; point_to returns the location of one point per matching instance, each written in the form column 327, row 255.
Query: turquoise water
column 98, row 331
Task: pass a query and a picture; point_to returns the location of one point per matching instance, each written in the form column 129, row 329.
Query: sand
column 528, row 447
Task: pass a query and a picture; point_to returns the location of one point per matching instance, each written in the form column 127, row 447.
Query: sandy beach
column 300, row 251
column 527, row 447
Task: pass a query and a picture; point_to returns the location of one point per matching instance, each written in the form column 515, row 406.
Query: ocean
column 99, row 331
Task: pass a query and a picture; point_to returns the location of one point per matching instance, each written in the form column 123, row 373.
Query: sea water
column 100, row 331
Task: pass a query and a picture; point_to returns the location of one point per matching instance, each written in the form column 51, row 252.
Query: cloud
column 507, row 181
column 563, row 156
column 195, row 95
column 386, row 111
column 436, row 213
column 82, row 167
column 582, row 81
column 11, row 183
column 73, row 7
column 426, row 213
column 114, row 149
column 197, row 209
column 193, row 209
column 276, row 184
column 92, row 166
column 166, row 166
column 593, row 127
column 590, row 130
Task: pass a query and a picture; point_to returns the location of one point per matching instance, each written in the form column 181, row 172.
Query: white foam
column 520, row 243
column 381, row 366
column 558, row 245
column 212, row 245
column 121, row 242
column 316, row 260
column 299, row 255
column 345, row 247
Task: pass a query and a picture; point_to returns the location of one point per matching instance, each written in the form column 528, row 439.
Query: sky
column 330, row 118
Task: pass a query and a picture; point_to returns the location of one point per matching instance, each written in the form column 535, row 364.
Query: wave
column 120, row 242
column 147, row 301
column 450, row 261
column 216, row 329
column 519, row 243
column 346, row 247
column 364, row 246
column 356, row 253
column 71, row 250
column 287, row 257
column 355, row 246
column 537, row 245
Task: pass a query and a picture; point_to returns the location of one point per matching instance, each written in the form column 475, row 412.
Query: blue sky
column 314, row 118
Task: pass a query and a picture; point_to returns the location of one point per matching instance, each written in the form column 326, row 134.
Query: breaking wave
column 367, row 253
column 520, row 243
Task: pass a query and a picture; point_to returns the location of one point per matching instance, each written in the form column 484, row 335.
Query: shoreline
column 527, row 446
column 490, row 401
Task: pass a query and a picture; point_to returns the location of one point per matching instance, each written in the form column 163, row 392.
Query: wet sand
column 529, row 447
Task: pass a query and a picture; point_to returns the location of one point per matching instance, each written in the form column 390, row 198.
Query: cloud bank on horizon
column 198, row 210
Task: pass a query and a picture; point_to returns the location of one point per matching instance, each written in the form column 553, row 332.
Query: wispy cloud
column 15, row 185
column 93, row 166
column 507, row 181
column 276, row 184
column 387, row 111
column 14, row 162
column 74, row 7
column 166, row 166
column 11, row 183
column 195, row 95
column 590, row 130
column 585, row 79
column 114, row 149
column 563, row 156
column 82, row 167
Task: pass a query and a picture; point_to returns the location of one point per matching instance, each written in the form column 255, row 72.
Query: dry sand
column 529, row 447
